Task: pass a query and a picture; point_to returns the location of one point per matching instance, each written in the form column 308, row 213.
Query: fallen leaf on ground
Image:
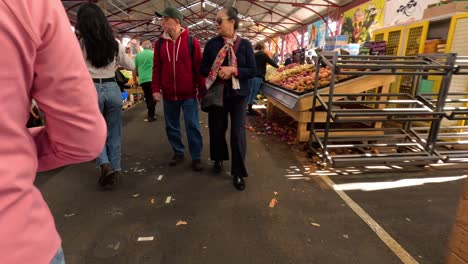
column 181, row 223
column 315, row 224
column 135, row 195
column 273, row 202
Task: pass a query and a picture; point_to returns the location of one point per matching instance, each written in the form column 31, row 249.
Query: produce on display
column 300, row 78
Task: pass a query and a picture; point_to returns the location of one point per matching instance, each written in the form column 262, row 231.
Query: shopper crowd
column 39, row 48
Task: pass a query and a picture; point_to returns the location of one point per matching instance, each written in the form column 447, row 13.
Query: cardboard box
column 449, row 8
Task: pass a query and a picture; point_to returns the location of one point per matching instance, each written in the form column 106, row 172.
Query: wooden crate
column 303, row 113
column 458, row 245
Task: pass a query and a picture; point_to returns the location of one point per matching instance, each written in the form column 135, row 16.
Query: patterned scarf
column 226, row 50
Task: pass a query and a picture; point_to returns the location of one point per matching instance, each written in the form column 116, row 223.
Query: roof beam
column 129, row 8
column 296, row 4
column 274, row 12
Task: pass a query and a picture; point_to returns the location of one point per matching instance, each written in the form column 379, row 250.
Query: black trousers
column 150, row 102
column 218, row 124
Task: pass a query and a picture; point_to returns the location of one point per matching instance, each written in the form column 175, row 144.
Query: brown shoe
column 106, row 173
column 197, row 165
column 176, row 159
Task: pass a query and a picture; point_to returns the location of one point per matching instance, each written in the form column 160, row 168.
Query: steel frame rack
column 452, row 140
column 384, row 146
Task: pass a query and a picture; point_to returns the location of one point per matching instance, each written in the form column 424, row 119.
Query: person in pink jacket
column 42, row 60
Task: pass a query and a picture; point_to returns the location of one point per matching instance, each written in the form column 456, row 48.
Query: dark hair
column 232, row 13
column 93, row 28
column 259, row 46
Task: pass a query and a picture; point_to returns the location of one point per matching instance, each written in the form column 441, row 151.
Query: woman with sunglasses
column 229, row 60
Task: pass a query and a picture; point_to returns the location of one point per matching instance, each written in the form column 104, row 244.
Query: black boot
column 218, row 166
column 239, row 183
column 250, row 111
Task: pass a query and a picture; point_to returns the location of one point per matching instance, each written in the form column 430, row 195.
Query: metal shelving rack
column 380, row 145
column 452, row 140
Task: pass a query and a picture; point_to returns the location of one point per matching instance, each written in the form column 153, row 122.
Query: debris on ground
column 315, row 224
column 153, row 201
column 282, row 125
column 345, row 236
column 273, row 202
column 143, row 239
column 135, row 195
column 69, row 215
column 181, row 223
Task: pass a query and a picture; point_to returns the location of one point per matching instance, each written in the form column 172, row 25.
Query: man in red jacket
column 176, row 78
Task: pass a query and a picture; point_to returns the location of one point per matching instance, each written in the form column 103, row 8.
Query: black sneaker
column 252, row 112
column 197, row 165
column 176, row 159
column 152, row 119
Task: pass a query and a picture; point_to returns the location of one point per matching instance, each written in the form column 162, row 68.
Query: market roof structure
column 260, row 20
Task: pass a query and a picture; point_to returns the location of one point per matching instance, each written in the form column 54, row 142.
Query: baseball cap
column 171, row 12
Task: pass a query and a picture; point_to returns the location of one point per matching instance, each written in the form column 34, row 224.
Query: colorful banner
column 292, row 42
column 361, row 21
column 334, row 27
column 275, row 44
column 398, row 12
column 317, row 33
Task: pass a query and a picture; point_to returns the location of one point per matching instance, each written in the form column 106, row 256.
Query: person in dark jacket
column 177, row 76
column 261, row 59
column 229, row 60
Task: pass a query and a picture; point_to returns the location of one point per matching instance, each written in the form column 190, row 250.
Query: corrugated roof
column 260, row 20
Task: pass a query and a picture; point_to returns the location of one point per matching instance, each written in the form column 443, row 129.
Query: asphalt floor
column 173, row 215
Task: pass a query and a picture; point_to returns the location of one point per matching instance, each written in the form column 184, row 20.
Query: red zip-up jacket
column 173, row 72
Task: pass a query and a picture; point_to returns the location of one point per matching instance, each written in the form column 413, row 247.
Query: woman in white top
column 103, row 54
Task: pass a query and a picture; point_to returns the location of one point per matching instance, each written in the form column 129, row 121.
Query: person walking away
column 144, row 70
column 103, row 54
column 177, row 79
column 261, row 59
column 36, row 65
column 229, row 60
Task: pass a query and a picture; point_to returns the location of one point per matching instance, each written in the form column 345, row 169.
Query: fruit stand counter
column 299, row 106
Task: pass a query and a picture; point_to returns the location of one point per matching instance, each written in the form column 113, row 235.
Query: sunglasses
column 219, row 20
column 357, row 24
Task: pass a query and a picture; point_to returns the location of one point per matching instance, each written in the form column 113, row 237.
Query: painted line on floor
column 168, row 199
column 404, row 256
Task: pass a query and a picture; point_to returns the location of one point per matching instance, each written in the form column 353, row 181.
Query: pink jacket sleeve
column 75, row 130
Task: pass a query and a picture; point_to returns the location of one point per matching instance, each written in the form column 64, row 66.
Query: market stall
column 292, row 92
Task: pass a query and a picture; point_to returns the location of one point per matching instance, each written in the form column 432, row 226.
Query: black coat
column 262, row 60
column 246, row 66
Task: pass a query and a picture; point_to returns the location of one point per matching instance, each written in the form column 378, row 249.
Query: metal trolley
column 338, row 143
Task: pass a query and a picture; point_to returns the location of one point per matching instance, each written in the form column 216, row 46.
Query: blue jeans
column 110, row 104
column 255, row 84
column 192, row 126
column 59, row 257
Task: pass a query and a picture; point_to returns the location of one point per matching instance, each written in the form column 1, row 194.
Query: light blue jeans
column 110, row 104
column 255, row 84
column 192, row 126
column 59, row 257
